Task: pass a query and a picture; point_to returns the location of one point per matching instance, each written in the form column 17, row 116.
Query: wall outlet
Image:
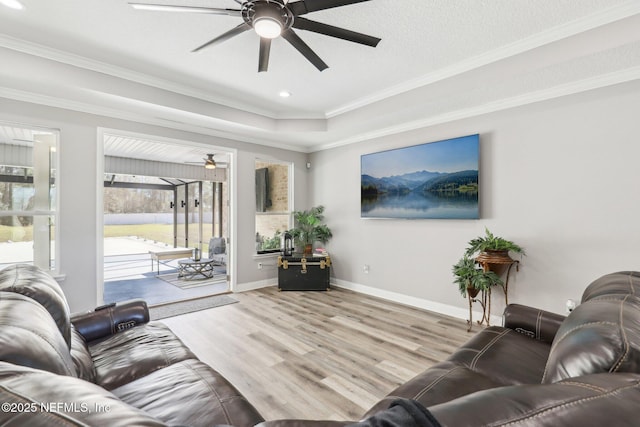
column 365, row 269
column 259, row 266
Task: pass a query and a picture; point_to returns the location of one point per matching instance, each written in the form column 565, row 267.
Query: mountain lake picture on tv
column 436, row 180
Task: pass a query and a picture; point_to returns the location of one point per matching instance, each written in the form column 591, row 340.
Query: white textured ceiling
column 438, row 60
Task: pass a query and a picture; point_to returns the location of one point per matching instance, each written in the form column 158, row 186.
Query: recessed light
column 284, row 94
column 13, row 4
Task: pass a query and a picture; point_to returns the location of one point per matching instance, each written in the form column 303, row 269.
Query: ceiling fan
column 209, row 163
column 273, row 18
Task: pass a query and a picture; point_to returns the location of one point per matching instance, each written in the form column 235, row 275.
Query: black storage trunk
column 300, row 273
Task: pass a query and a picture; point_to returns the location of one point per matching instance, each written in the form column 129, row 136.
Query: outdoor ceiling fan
column 273, row 18
column 210, row 163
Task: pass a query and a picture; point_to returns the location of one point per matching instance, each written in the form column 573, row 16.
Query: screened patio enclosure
column 147, row 209
column 180, row 213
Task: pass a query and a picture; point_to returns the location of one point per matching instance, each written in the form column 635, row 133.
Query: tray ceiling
column 438, row 60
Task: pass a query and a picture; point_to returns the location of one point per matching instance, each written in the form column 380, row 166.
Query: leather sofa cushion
column 134, row 353
column 441, row 382
column 39, row 285
column 81, row 357
column 30, row 337
column 504, row 355
column 600, row 335
column 617, row 284
column 189, row 393
column 493, row 357
column 67, row 401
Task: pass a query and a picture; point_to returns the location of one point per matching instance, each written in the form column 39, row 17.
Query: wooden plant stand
column 499, row 263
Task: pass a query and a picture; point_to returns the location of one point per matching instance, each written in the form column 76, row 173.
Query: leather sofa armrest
column 110, row 319
column 535, row 323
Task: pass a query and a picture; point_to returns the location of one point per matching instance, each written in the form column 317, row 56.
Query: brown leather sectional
column 113, row 367
column 108, row 367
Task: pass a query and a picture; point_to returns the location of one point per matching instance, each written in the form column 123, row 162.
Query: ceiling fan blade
column 305, row 6
column 304, row 49
column 265, row 48
column 330, row 30
column 187, row 9
column 226, row 36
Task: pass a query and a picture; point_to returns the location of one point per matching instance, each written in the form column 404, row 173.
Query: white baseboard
column 250, row 286
column 448, row 310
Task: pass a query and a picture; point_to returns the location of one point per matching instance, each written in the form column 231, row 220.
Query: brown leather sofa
column 539, row 369
column 108, row 367
column 113, row 367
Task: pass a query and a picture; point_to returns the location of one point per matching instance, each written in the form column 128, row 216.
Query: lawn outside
column 16, row 243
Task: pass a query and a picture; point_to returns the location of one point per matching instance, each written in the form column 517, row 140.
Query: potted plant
column 309, row 228
column 471, row 278
column 490, row 247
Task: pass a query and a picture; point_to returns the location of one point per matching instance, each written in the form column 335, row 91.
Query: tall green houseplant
column 471, row 278
column 309, row 228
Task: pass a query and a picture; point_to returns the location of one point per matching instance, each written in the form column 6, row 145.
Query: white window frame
column 45, row 154
column 290, row 203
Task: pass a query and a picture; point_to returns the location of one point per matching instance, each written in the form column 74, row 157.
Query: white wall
column 78, row 230
column 559, row 178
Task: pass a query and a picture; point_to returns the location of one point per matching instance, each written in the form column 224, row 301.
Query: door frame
column 232, row 177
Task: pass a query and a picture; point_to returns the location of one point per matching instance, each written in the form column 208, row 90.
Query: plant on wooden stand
column 473, row 279
column 309, row 228
column 492, row 245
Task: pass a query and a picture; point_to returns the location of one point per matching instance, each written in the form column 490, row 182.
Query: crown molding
column 558, row 33
column 613, row 14
column 572, row 88
column 90, row 108
column 82, row 62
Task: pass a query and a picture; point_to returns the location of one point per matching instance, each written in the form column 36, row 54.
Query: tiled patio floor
column 128, row 272
column 131, row 276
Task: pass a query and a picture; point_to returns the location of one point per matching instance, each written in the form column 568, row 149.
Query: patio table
column 169, row 254
column 190, row 268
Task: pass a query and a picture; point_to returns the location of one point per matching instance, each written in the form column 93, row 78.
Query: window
column 273, row 204
column 28, row 196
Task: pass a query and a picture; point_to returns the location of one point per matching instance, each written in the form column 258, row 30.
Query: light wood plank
column 317, row 355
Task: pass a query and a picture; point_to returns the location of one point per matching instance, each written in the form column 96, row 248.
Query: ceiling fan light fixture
column 267, row 27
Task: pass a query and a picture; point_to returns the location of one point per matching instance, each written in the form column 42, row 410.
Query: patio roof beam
column 21, row 179
column 138, row 185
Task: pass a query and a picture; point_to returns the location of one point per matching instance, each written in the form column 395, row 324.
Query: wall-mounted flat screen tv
column 436, row 180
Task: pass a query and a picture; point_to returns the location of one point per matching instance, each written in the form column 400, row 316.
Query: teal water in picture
column 437, row 180
column 415, row 206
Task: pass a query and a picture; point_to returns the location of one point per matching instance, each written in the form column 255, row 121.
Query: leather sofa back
column 30, row 337
column 612, row 285
column 602, row 334
column 37, row 284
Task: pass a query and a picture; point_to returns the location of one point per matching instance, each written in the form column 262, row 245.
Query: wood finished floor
column 317, row 355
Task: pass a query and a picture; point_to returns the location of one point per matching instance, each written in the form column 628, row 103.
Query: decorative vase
column 308, row 249
column 497, row 257
column 496, row 261
column 473, row 292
